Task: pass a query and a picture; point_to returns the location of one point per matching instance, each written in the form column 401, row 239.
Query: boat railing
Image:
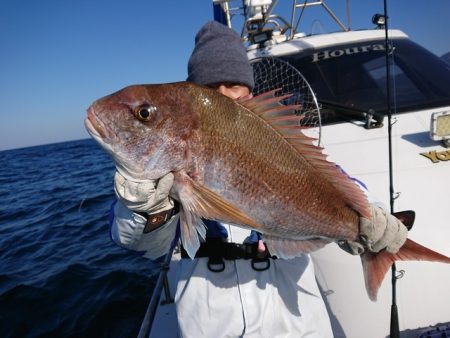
column 162, row 284
column 259, row 17
column 306, row 3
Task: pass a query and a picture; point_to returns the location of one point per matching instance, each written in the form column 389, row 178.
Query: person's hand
column 145, row 196
column 382, row 231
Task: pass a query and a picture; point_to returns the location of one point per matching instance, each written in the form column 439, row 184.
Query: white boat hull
column 423, row 293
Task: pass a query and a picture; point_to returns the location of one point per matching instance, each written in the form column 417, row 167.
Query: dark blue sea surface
column 60, row 273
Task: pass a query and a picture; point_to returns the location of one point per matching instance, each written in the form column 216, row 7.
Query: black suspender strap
column 217, row 250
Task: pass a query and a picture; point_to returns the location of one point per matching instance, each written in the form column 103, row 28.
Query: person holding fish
column 234, row 281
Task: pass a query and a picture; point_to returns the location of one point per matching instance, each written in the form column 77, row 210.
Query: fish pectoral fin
column 191, row 227
column 199, row 202
column 288, row 248
column 375, row 265
column 208, row 204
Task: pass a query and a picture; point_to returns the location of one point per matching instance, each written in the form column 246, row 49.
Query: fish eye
column 145, row 113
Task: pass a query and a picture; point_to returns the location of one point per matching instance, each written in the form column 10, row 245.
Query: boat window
column 351, row 79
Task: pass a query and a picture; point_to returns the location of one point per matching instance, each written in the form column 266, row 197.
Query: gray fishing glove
column 382, row 231
column 145, row 196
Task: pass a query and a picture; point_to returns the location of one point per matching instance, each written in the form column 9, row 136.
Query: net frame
column 272, row 73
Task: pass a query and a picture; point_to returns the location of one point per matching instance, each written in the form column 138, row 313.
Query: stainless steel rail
column 162, row 283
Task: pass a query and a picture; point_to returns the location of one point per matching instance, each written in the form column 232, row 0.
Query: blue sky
column 57, row 56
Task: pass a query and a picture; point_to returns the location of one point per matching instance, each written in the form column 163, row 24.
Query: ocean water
column 60, row 273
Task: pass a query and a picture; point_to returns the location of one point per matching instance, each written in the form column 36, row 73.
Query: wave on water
column 60, row 273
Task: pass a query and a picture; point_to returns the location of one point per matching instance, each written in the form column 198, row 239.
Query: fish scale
column 245, row 163
column 254, row 144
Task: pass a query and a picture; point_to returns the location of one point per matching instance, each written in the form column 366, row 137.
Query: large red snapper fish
column 243, row 162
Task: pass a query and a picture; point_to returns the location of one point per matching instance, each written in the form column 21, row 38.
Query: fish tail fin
column 375, row 265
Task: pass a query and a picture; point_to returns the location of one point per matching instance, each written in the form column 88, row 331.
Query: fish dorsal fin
column 283, row 119
column 199, row 202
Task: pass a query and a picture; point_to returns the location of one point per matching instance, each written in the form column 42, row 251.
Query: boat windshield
column 351, row 79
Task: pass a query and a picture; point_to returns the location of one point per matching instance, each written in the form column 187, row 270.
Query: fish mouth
column 91, row 129
column 93, row 126
column 98, row 132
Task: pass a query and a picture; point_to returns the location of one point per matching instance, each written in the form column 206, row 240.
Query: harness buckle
column 216, row 264
column 257, row 264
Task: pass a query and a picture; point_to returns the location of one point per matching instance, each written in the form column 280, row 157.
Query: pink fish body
column 246, row 163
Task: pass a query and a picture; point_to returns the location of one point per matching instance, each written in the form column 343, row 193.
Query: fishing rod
column 394, row 324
